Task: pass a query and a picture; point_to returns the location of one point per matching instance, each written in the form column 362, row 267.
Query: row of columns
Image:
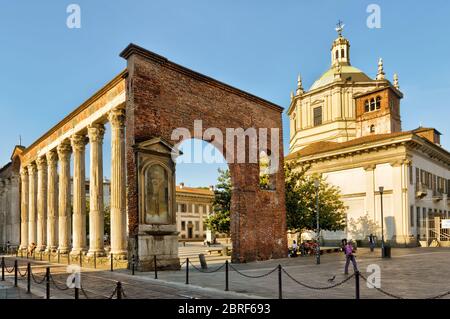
column 9, row 211
column 46, row 218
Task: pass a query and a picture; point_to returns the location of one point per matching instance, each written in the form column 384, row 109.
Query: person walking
column 371, row 242
column 349, row 256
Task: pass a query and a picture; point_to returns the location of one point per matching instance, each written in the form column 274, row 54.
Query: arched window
column 378, row 103
column 372, row 129
column 266, row 178
column 366, row 106
column 372, row 104
column 342, row 53
column 337, row 54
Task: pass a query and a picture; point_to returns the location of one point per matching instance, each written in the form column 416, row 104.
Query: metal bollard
column 280, row 287
column 95, row 260
column 81, row 259
column 41, row 255
column 226, row 275
column 187, row 271
column 77, row 293
column 3, row 268
column 47, row 279
column 15, row 272
column 68, row 258
column 112, row 262
column 59, row 256
column 29, row 278
column 119, row 290
column 49, row 256
column 155, row 265
column 357, row 284
column 132, row 265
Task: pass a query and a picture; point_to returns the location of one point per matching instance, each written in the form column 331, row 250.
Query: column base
column 63, row 250
column 120, row 254
column 97, row 253
column 51, row 249
column 78, row 251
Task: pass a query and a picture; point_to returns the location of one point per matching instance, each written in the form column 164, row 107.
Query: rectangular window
column 417, row 175
column 183, row 208
column 417, row 217
column 412, row 220
column 183, row 225
column 317, row 116
column 424, row 217
column 411, row 175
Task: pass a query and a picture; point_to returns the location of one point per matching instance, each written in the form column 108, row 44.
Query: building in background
column 193, row 206
column 348, row 128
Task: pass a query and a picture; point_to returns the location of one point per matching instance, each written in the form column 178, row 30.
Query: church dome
column 347, row 72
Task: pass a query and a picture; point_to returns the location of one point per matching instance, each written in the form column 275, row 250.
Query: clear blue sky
column 258, row 46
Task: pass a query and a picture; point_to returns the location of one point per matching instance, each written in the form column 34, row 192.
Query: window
column 318, row 116
column 183, row 208
column 342, row 53
column 372, row 104
column 378, row 103
column 411, row 173
column 183, row 225
column 366, row 106
column 411, row 216
column 372, row 128
column 418, row 215
column 417, row 175
column 337, row 54
column 424, row 217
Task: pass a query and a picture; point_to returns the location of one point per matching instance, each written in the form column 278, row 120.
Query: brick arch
column 163, row 96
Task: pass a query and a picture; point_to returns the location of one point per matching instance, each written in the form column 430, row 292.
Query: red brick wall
column 162, row 96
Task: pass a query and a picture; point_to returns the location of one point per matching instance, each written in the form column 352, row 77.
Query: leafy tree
column 301, row 201
column 362, row 227
column 219, row 219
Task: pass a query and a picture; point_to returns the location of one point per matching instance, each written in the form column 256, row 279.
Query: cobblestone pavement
column 410, row 273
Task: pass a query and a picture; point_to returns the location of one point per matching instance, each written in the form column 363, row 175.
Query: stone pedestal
column 157, row 233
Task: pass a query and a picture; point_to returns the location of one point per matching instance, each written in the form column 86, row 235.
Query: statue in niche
column 156, row 195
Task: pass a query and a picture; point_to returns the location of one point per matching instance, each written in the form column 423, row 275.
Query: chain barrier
column 84, row 292
column 439, row 296
column 258, row 276
column 56, row 285
column 20, row 274
column 113, row 293
column 318, row 288
column 7, row 270
column 381, row 290
column 206, row 271
column 37, row 281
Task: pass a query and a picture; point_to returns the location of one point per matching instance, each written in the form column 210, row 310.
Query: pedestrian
column 8, row 245
column 371, row 242
column 294, row 249
column 349, row 256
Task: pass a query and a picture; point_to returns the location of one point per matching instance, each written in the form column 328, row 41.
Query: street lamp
column 381, row 189
column 316, row 185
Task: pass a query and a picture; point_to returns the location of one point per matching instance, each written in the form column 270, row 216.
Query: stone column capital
column 96, row 132
column 23, row 172
column 64, row 150
column 41, row 163
column 32, row 169
column 78, row 142
column 52, row 157
column 117, row 118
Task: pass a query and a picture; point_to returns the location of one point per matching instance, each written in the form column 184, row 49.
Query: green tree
column 301, row 201
column 219, row 219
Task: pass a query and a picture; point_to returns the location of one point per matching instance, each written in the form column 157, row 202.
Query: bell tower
column 340, row 50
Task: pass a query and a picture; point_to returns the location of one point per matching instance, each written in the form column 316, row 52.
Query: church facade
column 347, row 127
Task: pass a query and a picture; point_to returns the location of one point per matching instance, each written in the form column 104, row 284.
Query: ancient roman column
column 64, row 150
column 52, row 201
column 32, row 208
column 15, row 210
column 24, row 208
column 96, row 214
column 42, row 204
column 78, row 143
column 118, row 215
